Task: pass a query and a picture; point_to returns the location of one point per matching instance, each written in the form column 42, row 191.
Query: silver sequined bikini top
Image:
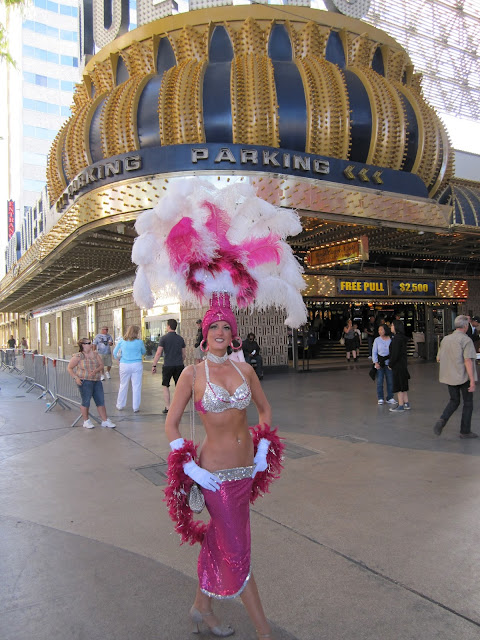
column 217, row 399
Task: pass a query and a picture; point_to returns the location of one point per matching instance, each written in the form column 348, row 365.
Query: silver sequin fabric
column 217, row 399
column 238, row 473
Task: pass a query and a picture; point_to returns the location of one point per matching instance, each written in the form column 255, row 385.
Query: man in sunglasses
column 103, row 343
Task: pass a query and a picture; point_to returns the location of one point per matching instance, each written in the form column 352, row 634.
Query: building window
column 40, row 133
column 66, row 85
column 38, row 159
column 63, row 9
column 43, row 107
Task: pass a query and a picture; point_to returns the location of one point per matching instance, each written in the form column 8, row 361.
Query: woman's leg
column 380, row 376
column 123, row 388
column 137, row 373
column 251, row 600
column 401, row 398
column 389, row 378
column 203, row 603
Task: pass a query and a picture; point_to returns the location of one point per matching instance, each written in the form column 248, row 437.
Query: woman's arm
column 393, row 355
column 259, row 398
column 183, row 393
column 100, row 367
column 117, row 348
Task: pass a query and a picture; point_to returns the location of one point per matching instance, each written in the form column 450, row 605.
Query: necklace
column 217, row 359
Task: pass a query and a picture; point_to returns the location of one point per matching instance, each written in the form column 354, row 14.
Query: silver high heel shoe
column 198, row 618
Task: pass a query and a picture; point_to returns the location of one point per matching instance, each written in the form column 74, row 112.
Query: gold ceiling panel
column 254, row 101
column 388, row 140
column 190, row 43
column 55, row 178
column 139, row 58
column 249, row 38
column 75, row 153
column 359, row 50
column 309, row 39
column 396, row 64
column 103, row 74
column 328, row 126
column 179, row 104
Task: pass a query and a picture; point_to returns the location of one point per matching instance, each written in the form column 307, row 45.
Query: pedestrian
column 349, row 339
column 197, row 354
column 380, row 359
column 227, row 471
column 86, row 367
column 357, row 338
column 398, row 365
column 475, row 327
column 371, row 331
column 251, row 352
column 174, row 347
column 24, row 343
column 12, row 343
column 457, row 358
column 131, row 349
column 103, row 342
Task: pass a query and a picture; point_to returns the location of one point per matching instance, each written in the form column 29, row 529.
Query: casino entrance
column 426, row 323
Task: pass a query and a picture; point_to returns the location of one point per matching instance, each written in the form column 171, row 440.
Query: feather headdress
column 200, row 240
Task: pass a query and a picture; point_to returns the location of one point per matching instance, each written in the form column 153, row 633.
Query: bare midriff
column 228, row 443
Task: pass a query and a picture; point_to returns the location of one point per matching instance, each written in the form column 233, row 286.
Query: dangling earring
column 236, row 339
column 201, row 346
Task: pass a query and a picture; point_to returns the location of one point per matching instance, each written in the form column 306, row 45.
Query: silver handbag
column 196, row 499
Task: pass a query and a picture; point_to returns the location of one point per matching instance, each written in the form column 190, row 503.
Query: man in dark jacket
column 251, row 351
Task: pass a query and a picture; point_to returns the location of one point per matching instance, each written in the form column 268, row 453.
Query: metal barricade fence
column 50, row 383
column 2, row 359
column 10, row 364
column 19, row 360
column 39, row 374
column 28, row 371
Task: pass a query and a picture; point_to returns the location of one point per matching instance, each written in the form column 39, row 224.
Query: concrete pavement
column 371, row 533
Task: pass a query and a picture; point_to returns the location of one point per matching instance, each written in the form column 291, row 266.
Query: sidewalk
column 370, row 534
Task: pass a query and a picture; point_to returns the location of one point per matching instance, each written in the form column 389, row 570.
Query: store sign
column 362, row 287
column 217, row 157
column 11, row 217
column 343, row 253
column 409, row 288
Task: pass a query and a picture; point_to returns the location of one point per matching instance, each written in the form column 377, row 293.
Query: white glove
column 201, row 476
column 177, row 444
column 260, row 459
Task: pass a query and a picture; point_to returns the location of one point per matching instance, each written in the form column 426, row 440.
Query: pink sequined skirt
column 224, row 560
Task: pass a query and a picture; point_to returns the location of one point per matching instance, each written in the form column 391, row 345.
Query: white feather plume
column 199, row 241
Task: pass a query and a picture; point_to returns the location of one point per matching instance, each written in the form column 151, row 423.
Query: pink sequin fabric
column 224, row 559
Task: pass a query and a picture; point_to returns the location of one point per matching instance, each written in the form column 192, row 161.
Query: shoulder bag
column 196, row 499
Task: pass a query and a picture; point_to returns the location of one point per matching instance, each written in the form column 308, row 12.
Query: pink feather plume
column 263, row 250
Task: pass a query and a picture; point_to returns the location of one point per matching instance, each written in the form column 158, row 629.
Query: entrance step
column 333, row 349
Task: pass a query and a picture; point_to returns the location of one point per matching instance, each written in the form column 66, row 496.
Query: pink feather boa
column 176, row 495
column 263, row 479
column 176, row 492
